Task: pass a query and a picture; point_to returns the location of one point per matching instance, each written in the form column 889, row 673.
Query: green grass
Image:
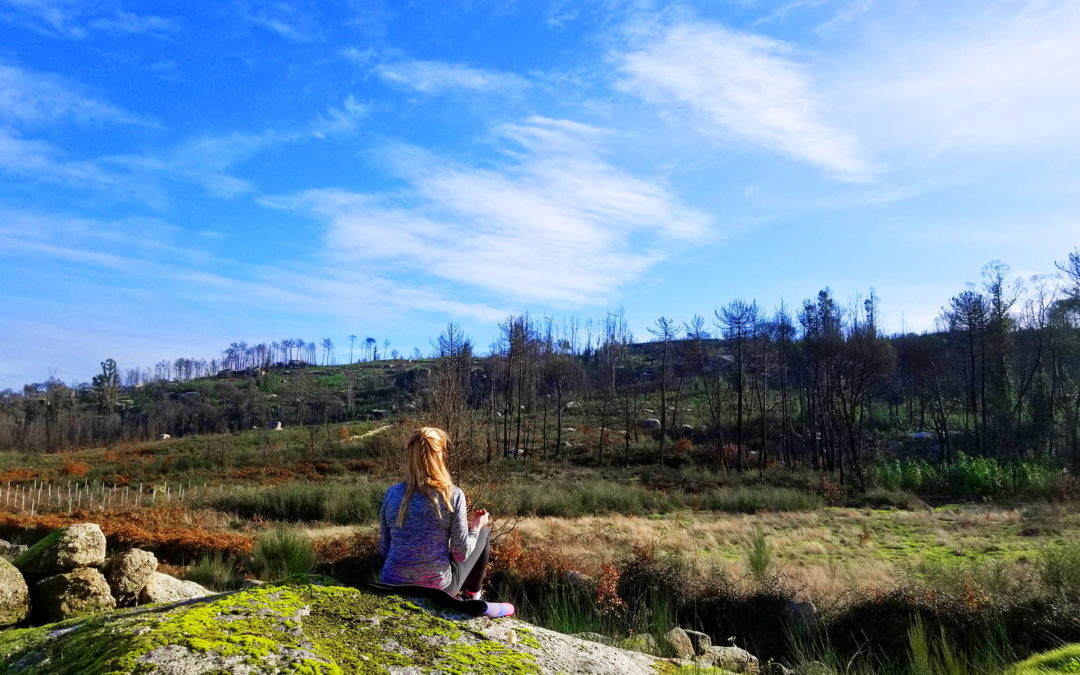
column 215, row 572
column 1063, row 660
column 968, row 475
column 281, row 552
column 344, row 503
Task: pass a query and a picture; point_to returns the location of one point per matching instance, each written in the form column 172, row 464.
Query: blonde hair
column 425, row 469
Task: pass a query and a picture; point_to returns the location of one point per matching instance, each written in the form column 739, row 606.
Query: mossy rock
column 66, row 549
column 14, row 595
column 307, row 625
column 1063, row 660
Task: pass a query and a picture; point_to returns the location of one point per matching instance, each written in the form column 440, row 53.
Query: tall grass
column 358, row 502
column 1059, row 569
column 928, row 653
column 215, row 572
column 344, row 503
column 281, row 552
column 968, row 475
column 760, row 498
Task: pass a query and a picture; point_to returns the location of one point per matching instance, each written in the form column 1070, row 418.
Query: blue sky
column 176, row 176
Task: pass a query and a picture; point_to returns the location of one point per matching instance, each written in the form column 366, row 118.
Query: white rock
column 163, row 588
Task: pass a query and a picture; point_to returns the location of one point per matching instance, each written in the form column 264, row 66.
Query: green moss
column 526, row 637
column 1063, row 660
column 301, row 625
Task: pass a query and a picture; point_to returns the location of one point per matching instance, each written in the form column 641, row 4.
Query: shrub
column 281, row 552
column 759, row 559
column 215, row 572
column 1059, row 569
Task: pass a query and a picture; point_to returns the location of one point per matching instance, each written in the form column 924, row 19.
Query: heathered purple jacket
column 419, row 552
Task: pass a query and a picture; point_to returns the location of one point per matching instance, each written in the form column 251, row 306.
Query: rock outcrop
column 62, row 596
column 309, row 625
column 128, row 573
column 65, row 550
column 14, row 595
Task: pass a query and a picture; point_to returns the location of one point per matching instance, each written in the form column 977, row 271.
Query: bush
column 214, row 572
column 968, row 475
column 759, row 559
column 281, row 552
column 1059, row 569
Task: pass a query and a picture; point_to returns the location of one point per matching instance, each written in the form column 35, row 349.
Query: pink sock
column 497, row 610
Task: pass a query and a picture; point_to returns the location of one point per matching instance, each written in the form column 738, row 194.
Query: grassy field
column 648, row 547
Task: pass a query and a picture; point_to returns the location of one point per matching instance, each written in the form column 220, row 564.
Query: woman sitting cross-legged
column 427, row 538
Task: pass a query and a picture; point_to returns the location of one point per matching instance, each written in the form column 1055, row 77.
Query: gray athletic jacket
column 419, row 552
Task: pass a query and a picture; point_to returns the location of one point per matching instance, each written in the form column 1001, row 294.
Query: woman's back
column 419, row 550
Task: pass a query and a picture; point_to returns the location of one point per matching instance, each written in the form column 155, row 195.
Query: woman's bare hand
column 479, row 519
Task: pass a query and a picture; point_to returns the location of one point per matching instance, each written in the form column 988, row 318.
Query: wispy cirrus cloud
column 435, row 77
column 288, row 20
column 987, row 77
column 77, row 20
column 556, row 224
column 736, row 84
column 28, row 97
column 207, row 160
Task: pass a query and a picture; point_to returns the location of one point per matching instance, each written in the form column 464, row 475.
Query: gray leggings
column 469, row 573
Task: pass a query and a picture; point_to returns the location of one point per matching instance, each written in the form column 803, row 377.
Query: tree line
column 817, row 385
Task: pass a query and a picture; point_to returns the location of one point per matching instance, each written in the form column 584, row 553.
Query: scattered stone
column 14, row 595
column 801, row 616
column 251, row 583
column 734, row 659
column 63, row 596
column 579, row 581
column 163, row 588
column 701, row 641
column 9, row 550
column 814, row 668
column 641, row 642
column 773, row 668
column 69, row 548
column 128, row 573
column 572, row 405
column 677, row 643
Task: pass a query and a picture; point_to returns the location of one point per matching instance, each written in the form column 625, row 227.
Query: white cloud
column 284, row 19
column 434, row 77
column 41, row 161
column 739, row 84
column 76, row 19
column 985, row 77
column 29, row 98
column 558, row 225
